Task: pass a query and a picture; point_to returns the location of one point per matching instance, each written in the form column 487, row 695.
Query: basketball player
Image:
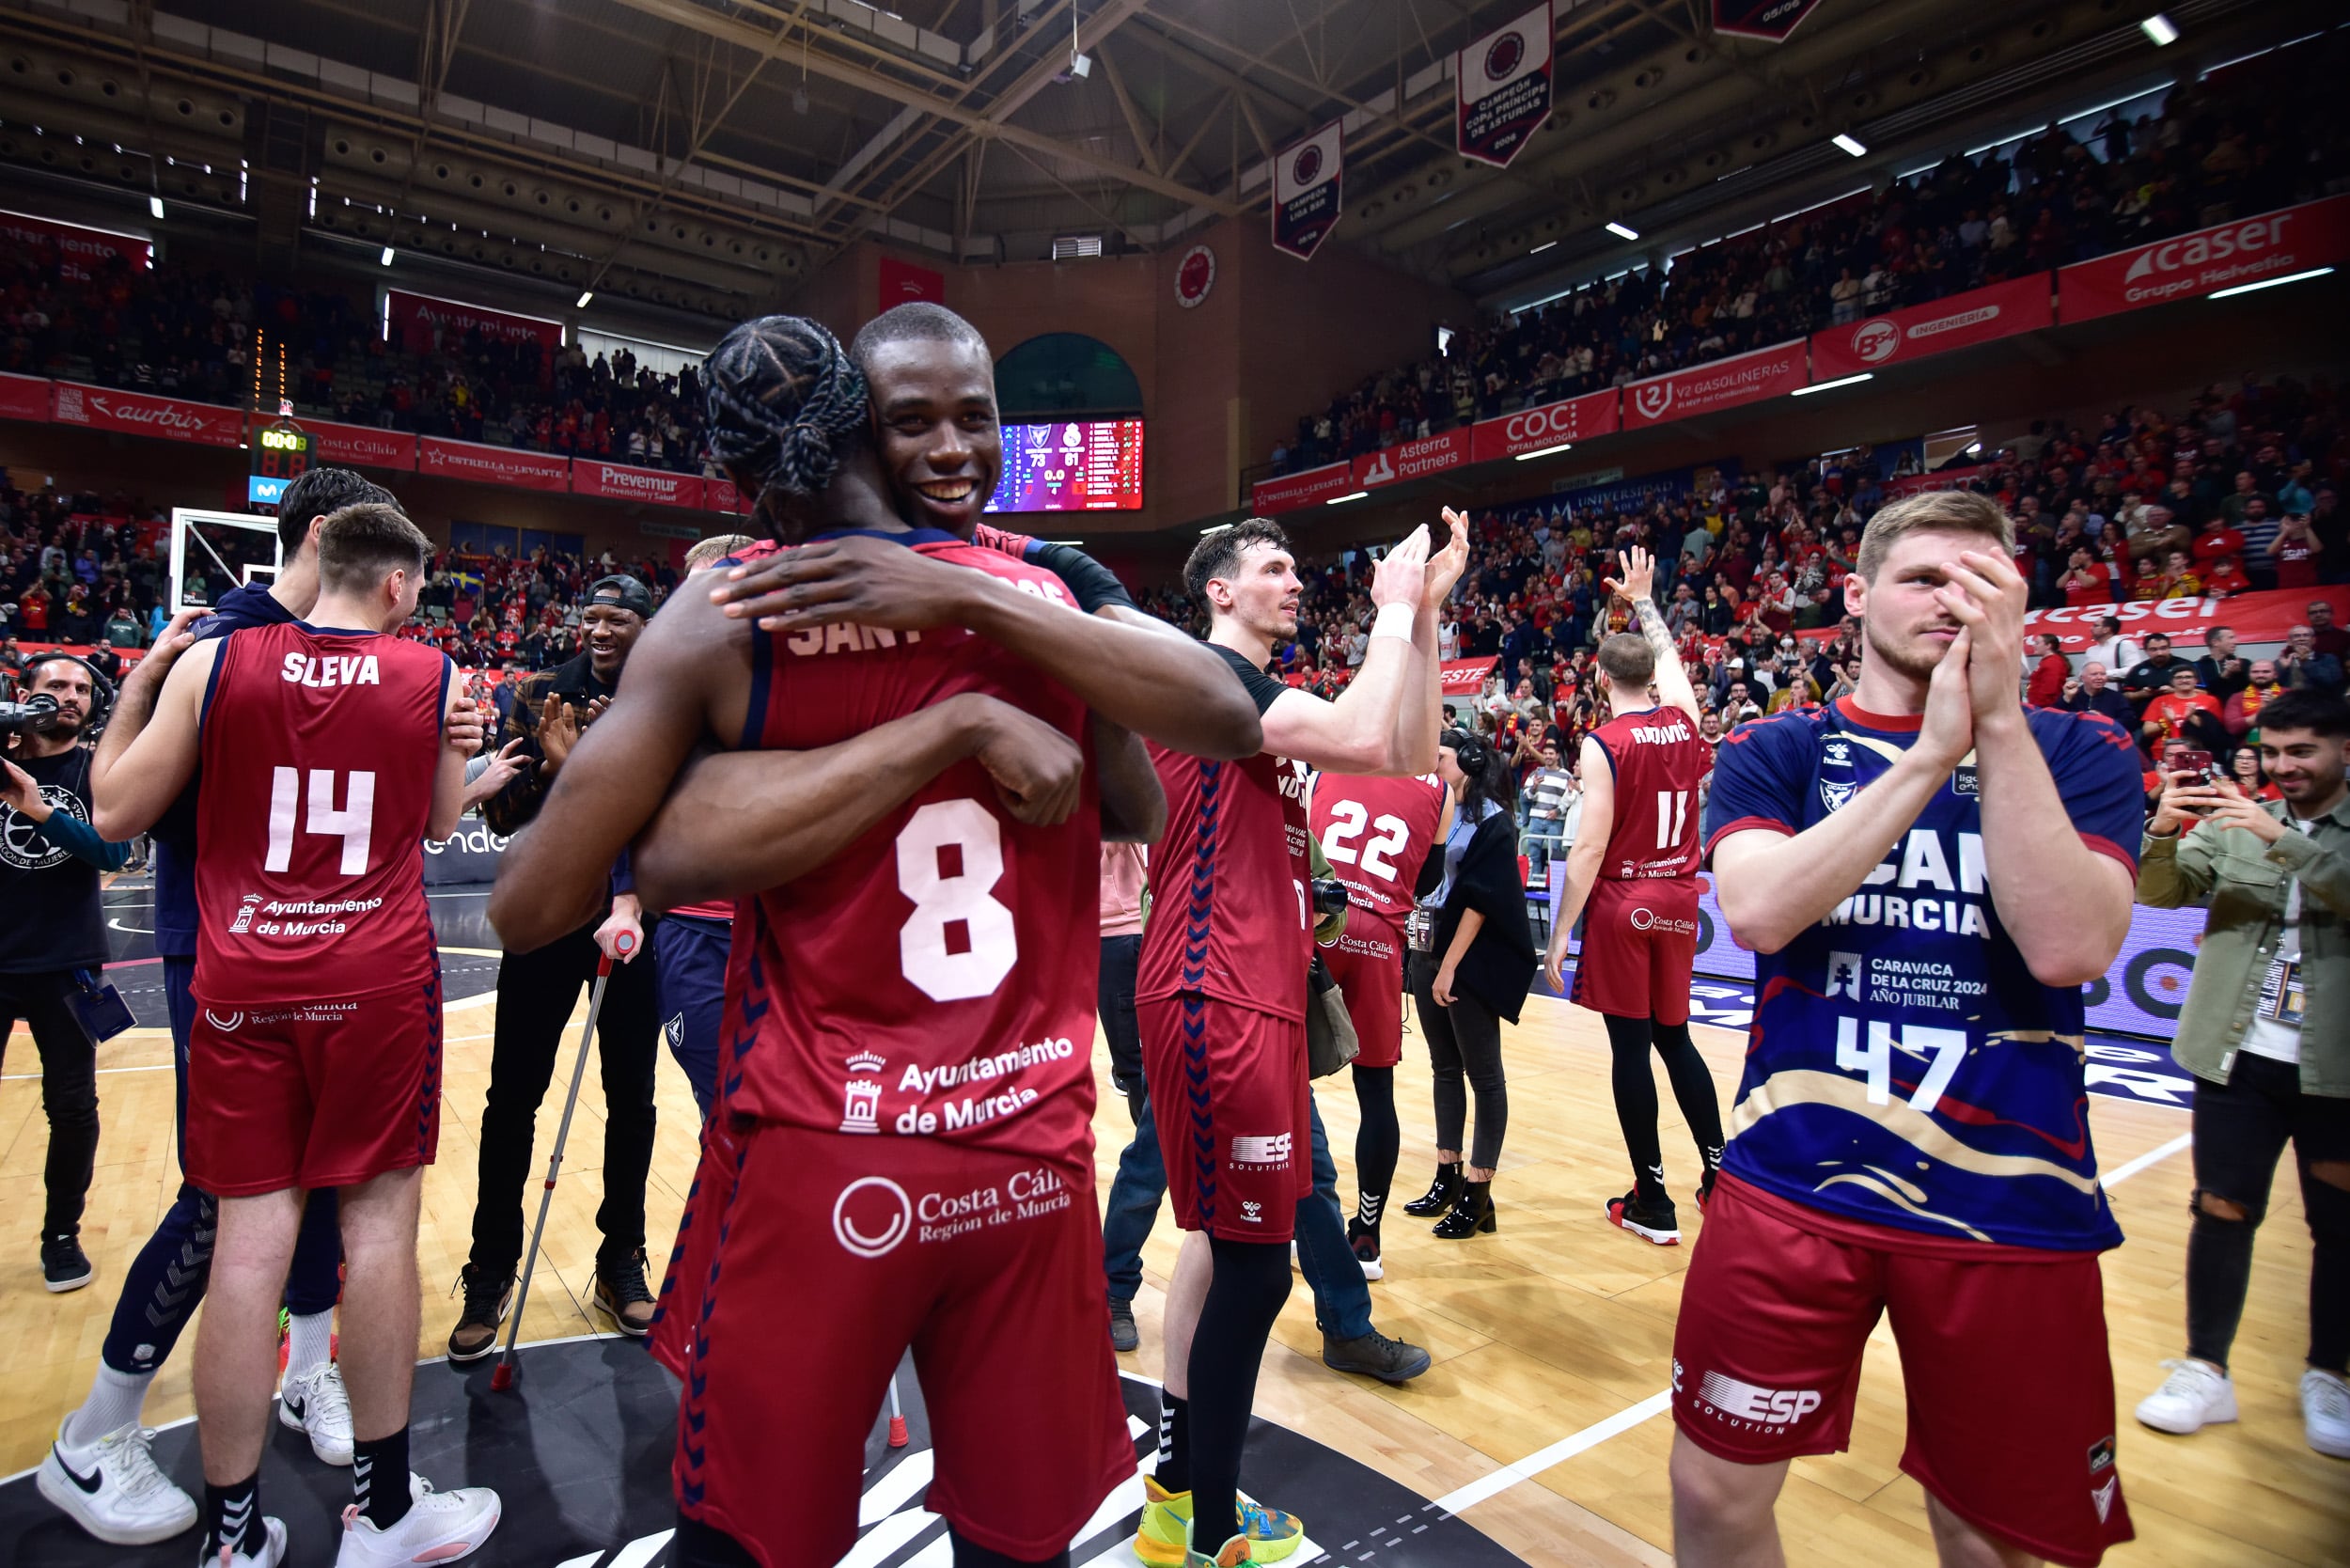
column 1221, row 992
column 1376, row 833
column 315, row 1060
column 902, row 1154
column 133, row 1503
column 1632, row 873
column 1928, row 872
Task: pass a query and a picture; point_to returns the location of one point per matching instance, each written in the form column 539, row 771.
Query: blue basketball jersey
column 1903, row 1067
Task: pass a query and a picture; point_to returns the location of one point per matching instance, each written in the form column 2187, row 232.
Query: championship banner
column 1744, row 378
column 621, row 483
column 100, row 408
column 1410, row 459
column 2244, row 250
column 464, row 460
column 361, row 446
column 79, row 250
column 1531, row 430
column 1959, row 322
column 1501, row 89
column 1267, row 497
column 1768, row 20
column 1465, row 677
column 1307, row 190
column 24, row 398
column 421, row 323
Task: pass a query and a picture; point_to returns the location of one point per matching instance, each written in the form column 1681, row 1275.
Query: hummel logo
column 89, row 1483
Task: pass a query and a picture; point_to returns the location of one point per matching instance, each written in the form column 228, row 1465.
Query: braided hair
column 784, row 401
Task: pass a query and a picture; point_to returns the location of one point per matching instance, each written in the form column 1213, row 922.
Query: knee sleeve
column 1250, row 1276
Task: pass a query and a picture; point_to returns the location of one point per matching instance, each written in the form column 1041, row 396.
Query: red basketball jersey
column 1658, row 760
column 319, row 750
column 925, row 982
column 1376, row 833
column 1231, row 885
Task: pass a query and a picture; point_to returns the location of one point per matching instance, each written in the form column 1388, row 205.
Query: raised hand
column 1639, row 581
column 1401, row 576
column 1947, row 733
column 1447, row 565
column 1986, row 595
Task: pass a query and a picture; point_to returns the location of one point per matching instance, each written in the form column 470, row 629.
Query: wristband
column 1394, row 620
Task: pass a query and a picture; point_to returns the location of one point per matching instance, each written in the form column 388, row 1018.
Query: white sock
column 309, row 1341
column 115, row 1400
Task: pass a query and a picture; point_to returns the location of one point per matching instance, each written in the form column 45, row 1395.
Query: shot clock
column 281, row 454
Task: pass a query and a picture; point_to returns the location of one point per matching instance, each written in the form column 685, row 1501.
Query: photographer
column 53, row 937
column 2266, row 1033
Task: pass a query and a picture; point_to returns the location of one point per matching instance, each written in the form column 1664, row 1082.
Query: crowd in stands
column 191, row 332
column 2247, row 140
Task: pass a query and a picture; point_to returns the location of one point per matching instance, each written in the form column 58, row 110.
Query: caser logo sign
column 2214, row 244
column 2244, row 250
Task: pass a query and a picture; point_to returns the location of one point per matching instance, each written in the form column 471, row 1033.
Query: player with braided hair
column 913, row 762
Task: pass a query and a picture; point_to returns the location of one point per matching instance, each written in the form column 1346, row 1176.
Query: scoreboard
column 281, row 454
column 1072, row 465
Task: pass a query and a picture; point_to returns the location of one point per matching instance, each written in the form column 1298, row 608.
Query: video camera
column 18, row 717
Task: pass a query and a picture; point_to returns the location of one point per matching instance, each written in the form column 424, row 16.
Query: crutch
column 898, row 1438
column 504, row 1376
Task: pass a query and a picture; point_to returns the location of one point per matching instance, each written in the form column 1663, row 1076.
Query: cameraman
column 53, row 937
column 2266, row 1032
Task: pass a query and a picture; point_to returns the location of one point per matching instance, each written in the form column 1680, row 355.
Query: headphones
column 101, row 697
column 1473, row 754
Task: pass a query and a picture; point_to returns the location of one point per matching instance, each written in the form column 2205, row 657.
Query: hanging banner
column 1531, row 429
column 1269, row 497
column 361, row 446
column 423, row 324
column 2254, row 617
column 1465, row 677
column 79, row 250
column 1411, row 460
column 621, row 483
column 1309, row 190
column 24, row 398
column 1501, row 89
column 1723, row 383
column 2244, row 250
column 1768, row 20
column 1941, row 478
column 101, row 408
column 464, row 460
column 719, row 495
column 902, row 281
column 1959, row 322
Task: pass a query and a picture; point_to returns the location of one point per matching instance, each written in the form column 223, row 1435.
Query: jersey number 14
column 354, row 823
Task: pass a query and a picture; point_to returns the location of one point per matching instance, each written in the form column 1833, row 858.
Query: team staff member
column 537, row 990
column 2266, row 1032
column 1474, row 972
column 1928, row 873
column 53, row 939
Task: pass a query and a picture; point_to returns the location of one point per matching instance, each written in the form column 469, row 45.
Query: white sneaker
column 439, row 1527
column 2325, row 1412
column 313, row 1404
column 2195, row 1395
column 113, row 1489
column 272, row 1552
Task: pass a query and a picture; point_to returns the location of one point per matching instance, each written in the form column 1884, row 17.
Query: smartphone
column 2195, row 761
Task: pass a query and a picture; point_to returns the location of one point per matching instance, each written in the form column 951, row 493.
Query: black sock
column 378, row 1478
column 232, row 1517
column 699, row 1545
column 1252, row 1279
column 970, row 1554
column 1693, row 1091
column 1173, row 1471
column 1377, row 1142
column 1635, row 1084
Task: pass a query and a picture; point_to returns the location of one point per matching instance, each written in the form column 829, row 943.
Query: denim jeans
column 1341, row 1295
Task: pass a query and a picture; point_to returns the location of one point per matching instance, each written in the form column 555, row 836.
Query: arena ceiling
column 705, row 154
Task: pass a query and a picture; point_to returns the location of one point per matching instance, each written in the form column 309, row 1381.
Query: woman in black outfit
column 1474, row 973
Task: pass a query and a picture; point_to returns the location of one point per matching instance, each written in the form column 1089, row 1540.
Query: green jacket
column 2243, row 883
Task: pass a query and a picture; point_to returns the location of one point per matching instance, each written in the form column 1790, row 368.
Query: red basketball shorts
column 831, row 1254
column 2003, row 1359
column 314, row 1094
column 1639, row 944
column 1367, row 961
column 1228, row 1087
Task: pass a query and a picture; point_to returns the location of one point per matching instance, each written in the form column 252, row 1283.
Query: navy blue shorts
column 689, row 957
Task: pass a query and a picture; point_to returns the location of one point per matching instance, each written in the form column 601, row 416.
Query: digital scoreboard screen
column 281, row 454
column 1073, row 465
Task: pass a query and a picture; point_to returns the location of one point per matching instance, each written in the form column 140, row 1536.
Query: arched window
column 1061, row 374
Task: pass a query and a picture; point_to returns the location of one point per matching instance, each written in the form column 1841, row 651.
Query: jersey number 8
column 958, row 942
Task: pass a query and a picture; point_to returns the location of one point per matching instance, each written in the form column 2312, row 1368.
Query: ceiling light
column 2161, row 29
column 585, row 295
column 1841, row 380
column 1341, row 500
column 1973, row 446
column 1621, row 232
column 1081, row 66
column 1544, row 246
column 2270, row 282
column 155, row 208
column 1216, row 528
column 799, row 100
column 1547, row 452
column 1849, row 145
column 387, row 256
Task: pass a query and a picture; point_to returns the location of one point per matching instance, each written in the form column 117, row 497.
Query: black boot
column 1440, row 1193
column 1472, row 1213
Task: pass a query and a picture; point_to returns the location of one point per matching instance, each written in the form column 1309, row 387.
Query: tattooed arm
column 1638, row 585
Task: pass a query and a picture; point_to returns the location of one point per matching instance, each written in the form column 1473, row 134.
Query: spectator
column 2098, row 695
column 2301, row 664
column 2151, row 675
column 2111, row 649
column 2048, row 673
column 2244, row 707
column 2220, row 671
column 2182, row 711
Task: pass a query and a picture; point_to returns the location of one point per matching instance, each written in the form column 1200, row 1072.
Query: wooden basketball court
column 1542, row 1421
